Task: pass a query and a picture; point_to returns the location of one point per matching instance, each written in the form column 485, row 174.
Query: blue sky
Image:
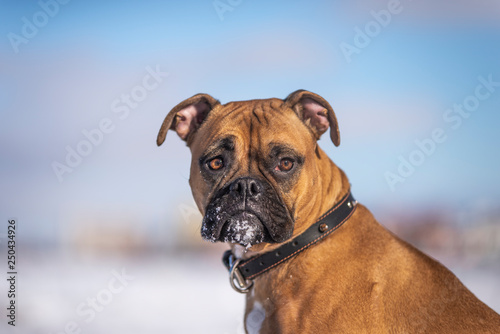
column 395, row 91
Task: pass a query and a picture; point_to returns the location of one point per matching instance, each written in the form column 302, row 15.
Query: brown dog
column 262, row 182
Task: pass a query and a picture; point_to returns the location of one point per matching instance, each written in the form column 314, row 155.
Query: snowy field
column 186, row 294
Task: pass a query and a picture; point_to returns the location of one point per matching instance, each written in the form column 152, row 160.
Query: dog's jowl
column 308, row 256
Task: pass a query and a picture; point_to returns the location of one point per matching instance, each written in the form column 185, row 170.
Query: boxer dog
column 311, row 259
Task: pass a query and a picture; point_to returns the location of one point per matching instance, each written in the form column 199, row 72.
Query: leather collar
column 244, row 271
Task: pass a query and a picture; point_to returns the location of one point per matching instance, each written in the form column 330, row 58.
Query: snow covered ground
column 148, row 294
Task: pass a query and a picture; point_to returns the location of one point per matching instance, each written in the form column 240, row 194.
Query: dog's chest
column 255, row 318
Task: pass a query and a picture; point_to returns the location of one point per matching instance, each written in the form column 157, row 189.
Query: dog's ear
column 186, row 117
column 315, row 112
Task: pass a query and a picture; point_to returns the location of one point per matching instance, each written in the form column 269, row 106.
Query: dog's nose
column 246, row 187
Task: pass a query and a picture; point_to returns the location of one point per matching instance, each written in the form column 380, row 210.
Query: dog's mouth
column 247, row 211
column 244, row 228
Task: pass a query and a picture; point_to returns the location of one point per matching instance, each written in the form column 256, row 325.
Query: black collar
column 244, row 271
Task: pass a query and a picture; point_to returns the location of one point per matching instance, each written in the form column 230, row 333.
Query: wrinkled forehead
column 257, row 123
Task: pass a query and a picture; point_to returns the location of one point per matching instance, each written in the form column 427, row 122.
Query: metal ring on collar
column 243, row 285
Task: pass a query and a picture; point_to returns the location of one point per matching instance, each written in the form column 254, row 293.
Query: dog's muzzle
column 247, row 211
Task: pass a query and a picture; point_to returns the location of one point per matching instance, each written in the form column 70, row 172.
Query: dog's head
column 254, row 167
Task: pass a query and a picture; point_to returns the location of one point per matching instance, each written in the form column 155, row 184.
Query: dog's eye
column 285, row 165
column 215, row 164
